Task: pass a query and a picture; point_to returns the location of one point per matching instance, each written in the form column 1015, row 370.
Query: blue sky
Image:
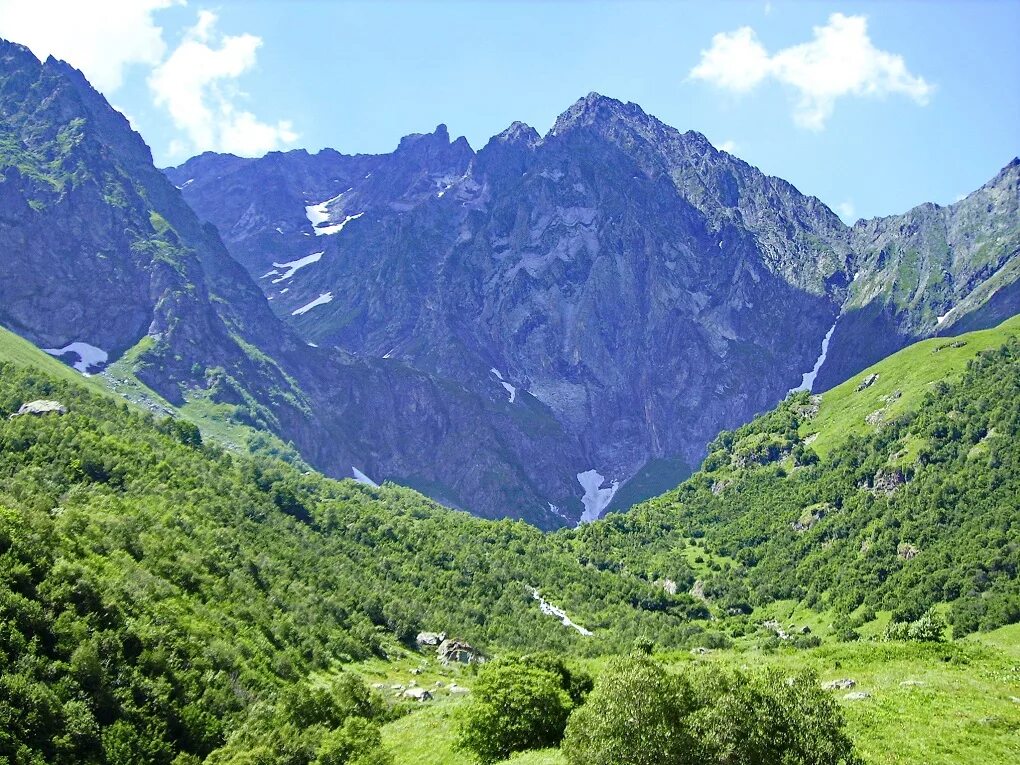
column 874, row 107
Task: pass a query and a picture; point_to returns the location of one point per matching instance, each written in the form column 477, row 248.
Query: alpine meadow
column 589, row 444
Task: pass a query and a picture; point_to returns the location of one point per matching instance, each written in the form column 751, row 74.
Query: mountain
column 638, row 288
column 934, row 270
column 543, row 329
column 105, row 265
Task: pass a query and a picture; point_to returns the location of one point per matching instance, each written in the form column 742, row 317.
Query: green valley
column 164, row 598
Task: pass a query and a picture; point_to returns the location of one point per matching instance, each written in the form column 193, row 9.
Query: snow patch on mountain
column 362, row 478
column 595, row 498
column 807, row 380
column 294, row 266
column 511, row 389
column 319, row 213
column 325, row 297
column 337, row 227
column 89, row 356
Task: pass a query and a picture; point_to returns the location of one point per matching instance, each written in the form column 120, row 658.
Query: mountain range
column 544, row 328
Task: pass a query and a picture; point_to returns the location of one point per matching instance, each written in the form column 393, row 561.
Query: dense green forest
column 165, row 600
column 156, row 589
column 921, row 510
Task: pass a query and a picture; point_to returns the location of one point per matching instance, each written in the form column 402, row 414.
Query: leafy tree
column 633, row 716
column 513, row 707
column 640, row 714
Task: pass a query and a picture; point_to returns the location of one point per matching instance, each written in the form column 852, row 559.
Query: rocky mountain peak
column 519, row 133
column 596, row 110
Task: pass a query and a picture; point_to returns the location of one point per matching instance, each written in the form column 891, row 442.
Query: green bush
column 929, row 628
column 640, row 714
column 513, row 707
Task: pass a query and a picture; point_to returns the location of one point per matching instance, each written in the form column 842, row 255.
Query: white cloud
column 736, row 61
column 840, row 61
column 197, row 85
column 847, row 211
column 729, row 146
column 101, row 42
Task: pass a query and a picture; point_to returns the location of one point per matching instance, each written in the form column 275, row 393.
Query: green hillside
column 903, row 380
column 163, row 600
column 157, row 594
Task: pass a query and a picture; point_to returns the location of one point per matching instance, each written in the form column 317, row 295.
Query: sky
column 874, row 107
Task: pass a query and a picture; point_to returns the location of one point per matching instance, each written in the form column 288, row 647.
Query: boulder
column 857, row 696
column 886, row 481
column 907, row 551
column 867, row 382
column 452, row 651
column 876, row 418
column 843, row 684
column 668, row 586
column 430, row 638
column 40, row 407
column 721, row 485
column 418, row 694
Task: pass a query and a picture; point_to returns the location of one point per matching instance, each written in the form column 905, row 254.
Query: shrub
column 639, row 714
column 514, row 707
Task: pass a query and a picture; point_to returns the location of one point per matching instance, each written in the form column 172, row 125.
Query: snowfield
column 807, row 381
column 89, row 356
column 295, row 265
column 325, row 297
column 595, row 498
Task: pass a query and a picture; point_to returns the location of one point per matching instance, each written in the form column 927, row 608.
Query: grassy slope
column 216, row 421
column 19, row 351
column 910, row 371
column 957, row 707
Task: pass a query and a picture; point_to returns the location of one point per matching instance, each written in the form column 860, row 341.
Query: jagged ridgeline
column 628, row 280
column 546, row 328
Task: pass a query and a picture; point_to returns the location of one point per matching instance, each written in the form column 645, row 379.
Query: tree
column 634, row 716
column 639, row 714
column 514, row 707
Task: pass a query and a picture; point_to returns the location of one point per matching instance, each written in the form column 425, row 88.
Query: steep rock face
column 932, row 270
column 101, row 255
column 98, row 248
column 634, row 285
column 644, row 287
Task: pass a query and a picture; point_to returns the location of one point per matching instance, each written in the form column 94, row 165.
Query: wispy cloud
column 197, row 84
column 847, row 211
column 840, row 61
column 729, row 146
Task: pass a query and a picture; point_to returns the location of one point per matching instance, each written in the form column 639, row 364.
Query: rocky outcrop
column 39, row 407
column 453, row 651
